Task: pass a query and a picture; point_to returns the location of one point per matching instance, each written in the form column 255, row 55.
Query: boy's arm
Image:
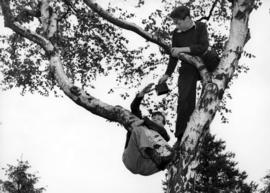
column 203, row 42
column 171, row 65
column 135, row 105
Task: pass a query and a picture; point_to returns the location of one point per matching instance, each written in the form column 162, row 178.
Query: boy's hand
column 146, row 89
column 163, row 79
column 175, row 51
column 135, row 121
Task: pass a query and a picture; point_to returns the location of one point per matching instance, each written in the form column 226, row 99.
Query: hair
column 161, row 114
column 180, row 12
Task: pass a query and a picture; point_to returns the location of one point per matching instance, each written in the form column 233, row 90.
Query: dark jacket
column 196, row 38
column 135, row 109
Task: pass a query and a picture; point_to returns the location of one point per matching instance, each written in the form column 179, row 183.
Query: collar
column 180, row 31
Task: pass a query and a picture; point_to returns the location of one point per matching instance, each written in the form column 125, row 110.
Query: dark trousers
column 188, row 78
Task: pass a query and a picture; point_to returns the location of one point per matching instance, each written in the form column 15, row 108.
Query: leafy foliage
column 20, row 180
column 266, row 181
column 218, row 171
column 92, row 47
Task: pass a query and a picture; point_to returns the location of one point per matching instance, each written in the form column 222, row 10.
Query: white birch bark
column 181, row 173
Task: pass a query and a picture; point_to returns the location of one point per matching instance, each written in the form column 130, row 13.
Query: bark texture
column 83, row 99
column 181, row 173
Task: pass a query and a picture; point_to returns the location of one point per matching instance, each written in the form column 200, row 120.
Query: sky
column 76, row 151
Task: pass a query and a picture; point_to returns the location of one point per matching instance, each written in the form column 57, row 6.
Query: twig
column 210, row 13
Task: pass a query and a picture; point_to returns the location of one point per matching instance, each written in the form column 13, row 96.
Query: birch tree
column 56, row 53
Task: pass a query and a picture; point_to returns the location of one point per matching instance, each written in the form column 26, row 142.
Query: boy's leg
column 160, row 161
column 131, row 153
column 155, row 147
column 134, row 156
column 127, row 138
column 186, row 100
column 147, row 138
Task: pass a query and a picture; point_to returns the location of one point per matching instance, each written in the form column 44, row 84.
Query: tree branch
column 24, row 14
column 70, row 6
column 210, row 12
column 16, row 27
column 195, row 60
column 83, row 99
column 48, row 19
column 126, row 25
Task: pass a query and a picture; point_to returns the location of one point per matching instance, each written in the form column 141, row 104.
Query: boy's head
column 180, row 12
column 181, row 17
column 159, row 118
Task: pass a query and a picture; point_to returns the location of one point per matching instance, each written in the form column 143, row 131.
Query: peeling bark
column 182, row 177
column 45, row 15
column 85, row 100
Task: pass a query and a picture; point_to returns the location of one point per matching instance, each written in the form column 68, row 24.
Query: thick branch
column 27, row 13
column 17, row 28
column 92, row 104
column 52, row 28
column 196, row 61
column 126, row 25
column 48, row 19
column 45, row 15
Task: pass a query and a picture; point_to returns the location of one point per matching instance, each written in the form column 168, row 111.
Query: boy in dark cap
column 192, row 38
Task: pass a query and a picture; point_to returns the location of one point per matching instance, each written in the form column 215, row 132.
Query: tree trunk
column 181, row 174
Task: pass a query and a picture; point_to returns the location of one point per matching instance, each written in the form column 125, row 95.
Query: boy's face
column 181, row 24
column 158, row 119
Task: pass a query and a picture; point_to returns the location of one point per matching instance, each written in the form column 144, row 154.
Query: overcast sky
column 75, row 151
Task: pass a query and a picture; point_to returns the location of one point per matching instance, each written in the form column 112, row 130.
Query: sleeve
column 172, row 61
column 171, row 66
column 135, row 106
column 203, row 42
column 154, row 126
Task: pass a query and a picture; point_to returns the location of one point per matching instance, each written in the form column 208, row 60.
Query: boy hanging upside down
column 146, row 149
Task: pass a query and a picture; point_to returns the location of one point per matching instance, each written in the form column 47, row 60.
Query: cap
column 180, row 12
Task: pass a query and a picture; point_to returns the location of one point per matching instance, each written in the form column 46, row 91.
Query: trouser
column 187, row 98
column 135, row 158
